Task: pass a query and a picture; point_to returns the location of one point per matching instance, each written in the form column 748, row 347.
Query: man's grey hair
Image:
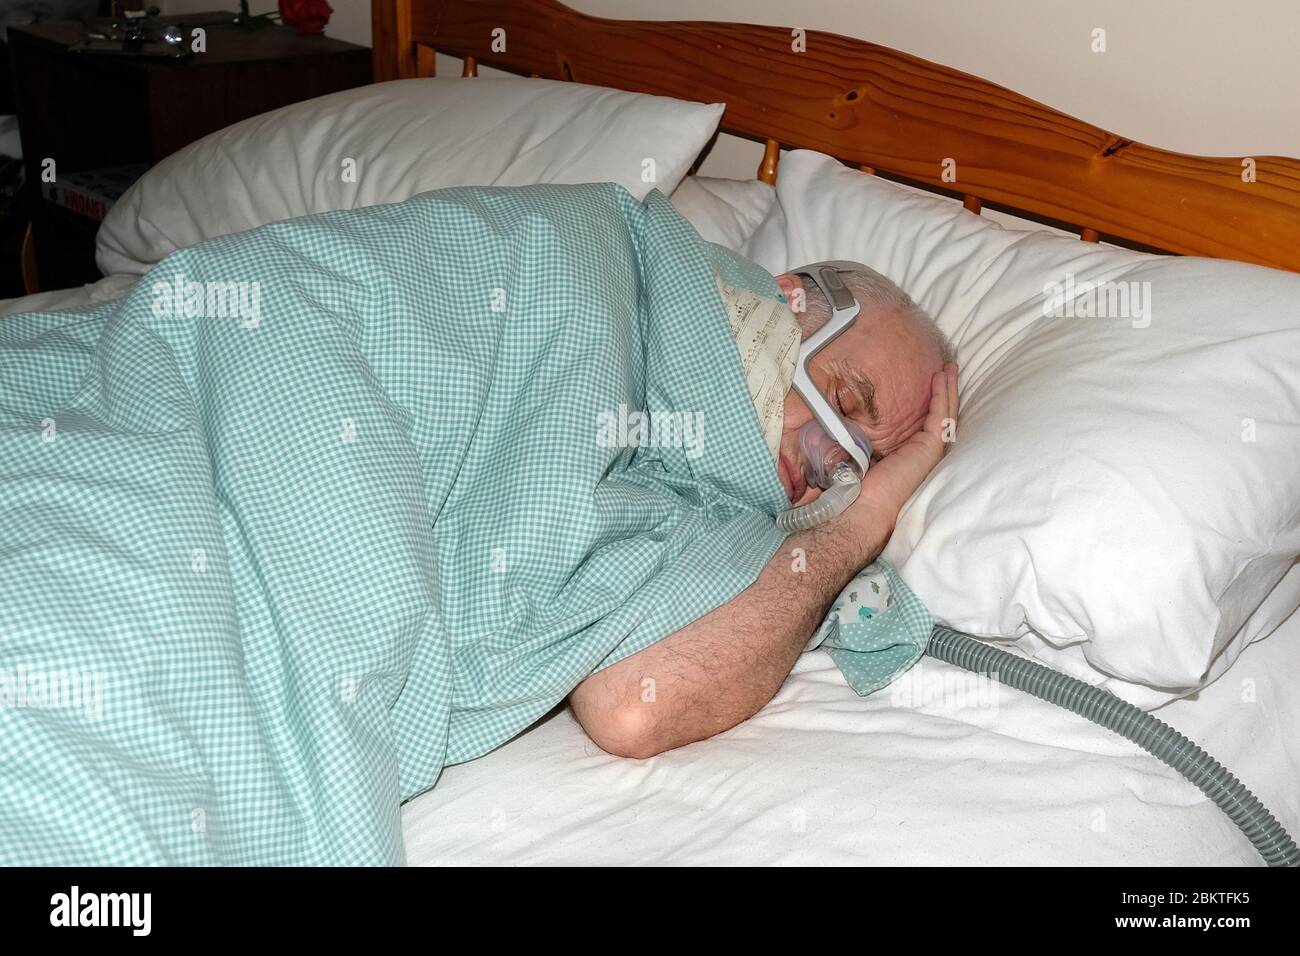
column 872, row 288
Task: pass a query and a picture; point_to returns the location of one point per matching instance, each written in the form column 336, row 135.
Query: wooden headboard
column 882, row 110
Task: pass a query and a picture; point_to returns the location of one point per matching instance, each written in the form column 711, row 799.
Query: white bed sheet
column 912, row 775
column 109, row 287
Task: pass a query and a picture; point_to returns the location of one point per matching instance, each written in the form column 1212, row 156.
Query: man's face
column 876, row 374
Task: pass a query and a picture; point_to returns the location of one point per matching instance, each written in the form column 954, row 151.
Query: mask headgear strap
column 844, row 311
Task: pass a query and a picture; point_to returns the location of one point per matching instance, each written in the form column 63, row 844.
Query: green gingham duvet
column 318, row 509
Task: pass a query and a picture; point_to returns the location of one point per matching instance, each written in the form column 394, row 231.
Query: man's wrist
column 872, row 525
column 861, row 532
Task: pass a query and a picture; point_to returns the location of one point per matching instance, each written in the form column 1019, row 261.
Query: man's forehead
column 883, row 342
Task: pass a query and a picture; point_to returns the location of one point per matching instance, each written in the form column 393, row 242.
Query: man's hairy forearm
column 722, row 668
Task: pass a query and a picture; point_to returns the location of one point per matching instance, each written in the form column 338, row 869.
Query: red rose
column 305, row 16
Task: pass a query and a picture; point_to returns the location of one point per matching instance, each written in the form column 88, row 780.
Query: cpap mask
column 836, row 453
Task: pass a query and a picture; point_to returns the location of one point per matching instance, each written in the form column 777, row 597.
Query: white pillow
column 725, row 211
column 1124, row 494
column 400, row 139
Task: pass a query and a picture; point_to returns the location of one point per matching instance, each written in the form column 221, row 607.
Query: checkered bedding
column 318, row 509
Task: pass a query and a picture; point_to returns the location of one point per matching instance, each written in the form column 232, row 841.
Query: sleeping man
column 313, row 559
column 891, row 373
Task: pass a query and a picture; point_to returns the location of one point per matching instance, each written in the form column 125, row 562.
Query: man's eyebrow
column 866, row 392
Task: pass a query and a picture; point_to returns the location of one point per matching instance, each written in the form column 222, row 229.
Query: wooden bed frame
column 883, row 111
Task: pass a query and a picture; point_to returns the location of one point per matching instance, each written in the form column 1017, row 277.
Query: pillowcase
column 1123, row 498
column 390, row 141
column 725, row 211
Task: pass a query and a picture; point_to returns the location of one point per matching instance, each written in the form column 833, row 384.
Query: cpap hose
column 843, row 491
column 1148, row 732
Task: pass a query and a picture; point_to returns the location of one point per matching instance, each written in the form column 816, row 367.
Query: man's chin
column 792, row 480
column 783, row 473
column 797, row 490
column 810, row 494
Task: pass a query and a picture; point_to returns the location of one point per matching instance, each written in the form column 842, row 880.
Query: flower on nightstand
column 305, row 16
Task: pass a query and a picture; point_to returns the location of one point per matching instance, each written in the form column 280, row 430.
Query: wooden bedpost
column 396, row 55
column 771, row 159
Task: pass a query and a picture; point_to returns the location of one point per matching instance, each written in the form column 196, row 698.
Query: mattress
column 942, row 768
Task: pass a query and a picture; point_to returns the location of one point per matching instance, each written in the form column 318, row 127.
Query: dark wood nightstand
column 91, row 111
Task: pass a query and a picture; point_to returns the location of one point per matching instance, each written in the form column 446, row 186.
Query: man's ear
column 791, row 287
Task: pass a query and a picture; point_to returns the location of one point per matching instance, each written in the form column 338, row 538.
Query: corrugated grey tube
column 1150, row 733
column 845, row 485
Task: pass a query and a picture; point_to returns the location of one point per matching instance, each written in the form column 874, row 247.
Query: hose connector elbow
column 843, row 491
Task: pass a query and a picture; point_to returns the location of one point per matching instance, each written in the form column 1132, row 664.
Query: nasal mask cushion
column 821, row 452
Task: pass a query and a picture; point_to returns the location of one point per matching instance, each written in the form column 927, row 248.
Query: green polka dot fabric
column 321, row 508
column 876, row 629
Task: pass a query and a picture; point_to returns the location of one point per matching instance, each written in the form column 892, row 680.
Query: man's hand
column 892, row 480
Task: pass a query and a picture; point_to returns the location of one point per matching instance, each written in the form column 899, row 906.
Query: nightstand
column 93, row 111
